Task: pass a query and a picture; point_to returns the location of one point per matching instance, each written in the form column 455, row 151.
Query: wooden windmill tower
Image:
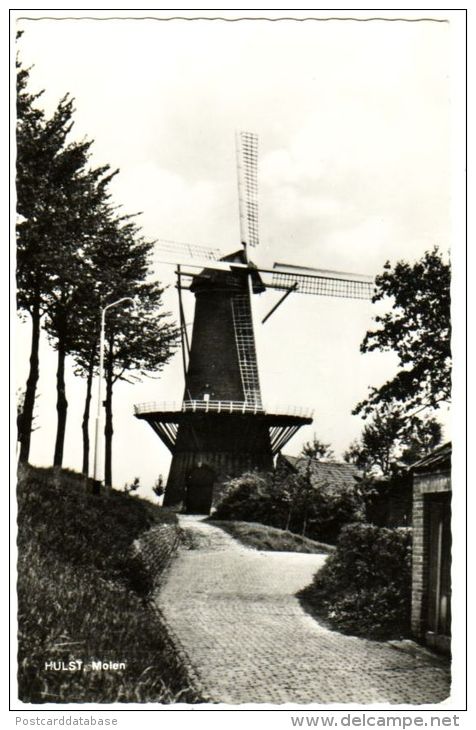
column 222, row 428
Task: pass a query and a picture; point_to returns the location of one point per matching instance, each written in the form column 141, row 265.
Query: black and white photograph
column 239, row 247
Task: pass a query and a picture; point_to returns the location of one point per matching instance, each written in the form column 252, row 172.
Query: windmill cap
column 212, row 278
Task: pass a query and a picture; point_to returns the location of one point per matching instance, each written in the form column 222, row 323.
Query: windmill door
column 439, row 565
column 200, row 481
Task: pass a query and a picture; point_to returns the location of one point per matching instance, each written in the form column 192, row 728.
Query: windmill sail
column 247, row 163
column 322, row 282
column 288, row 278
column 179, row 251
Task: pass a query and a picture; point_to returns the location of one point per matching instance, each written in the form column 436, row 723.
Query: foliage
column 364, row 587
column 292, row 502
column 158, row 487
column 249, row 497
column 333, row 507
column 39, row 142
column 392, row 440
column 418, row 329
column 423, row 437
column 389, row 500
column 297, row 493
column 59, row 201
column 133, row 487
column 317, row 449
column 46, row 169
column 76, row 600
column 70, row 293
column 400, row 430
column 139, row 341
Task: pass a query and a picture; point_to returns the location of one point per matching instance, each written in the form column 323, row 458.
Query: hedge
column 365, row 586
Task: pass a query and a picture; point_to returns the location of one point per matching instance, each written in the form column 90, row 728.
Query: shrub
column 292, row 502
column 250, row 498
column 332, row 507
column 365, row 586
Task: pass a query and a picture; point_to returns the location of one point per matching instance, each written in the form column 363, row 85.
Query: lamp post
column 101, row 368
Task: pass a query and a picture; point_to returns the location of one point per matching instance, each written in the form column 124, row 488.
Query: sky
column 355, row 123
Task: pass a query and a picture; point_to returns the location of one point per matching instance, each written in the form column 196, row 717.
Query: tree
column 20, row 398
column 57, row 198
column 301, row 495
column 317, row 449
column 133, row 487
column 423, row 437
column 392, row 440
column 138, row 344
column 295, row 493
column 39, row 145
column 158, row 487
column 116, row 264
column 418, row 329
column 84, row 195
column 85, row 353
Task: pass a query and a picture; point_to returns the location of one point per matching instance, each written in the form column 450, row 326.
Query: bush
column 249, row 498
column 332, row 507
column 291, row 502
column 365, row 586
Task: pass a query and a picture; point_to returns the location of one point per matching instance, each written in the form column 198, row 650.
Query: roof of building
column 438, row 459
column 336, row 472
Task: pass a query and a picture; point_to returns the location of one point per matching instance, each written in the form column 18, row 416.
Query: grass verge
column 79, row 601
column 263, row 537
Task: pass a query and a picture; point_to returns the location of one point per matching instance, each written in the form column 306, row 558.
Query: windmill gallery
column 222, row 428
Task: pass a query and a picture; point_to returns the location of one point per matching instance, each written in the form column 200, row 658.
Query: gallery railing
column 219, row 406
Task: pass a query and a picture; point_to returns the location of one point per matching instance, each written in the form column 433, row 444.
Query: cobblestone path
column 234, row 615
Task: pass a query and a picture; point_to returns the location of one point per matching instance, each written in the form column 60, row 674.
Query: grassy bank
column 263, row 537
column 83, row 597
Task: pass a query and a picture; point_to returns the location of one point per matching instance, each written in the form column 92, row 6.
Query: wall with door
column 431, row 581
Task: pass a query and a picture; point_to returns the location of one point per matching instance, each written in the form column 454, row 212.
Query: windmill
column 221, row 428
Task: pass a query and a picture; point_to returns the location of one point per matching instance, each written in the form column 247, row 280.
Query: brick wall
column 418, row 561
column 423, row 484
column 213, row 356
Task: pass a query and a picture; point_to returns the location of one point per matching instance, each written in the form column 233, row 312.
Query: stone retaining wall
column 150, row 554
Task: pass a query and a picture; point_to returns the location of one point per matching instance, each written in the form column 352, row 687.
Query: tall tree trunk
column 61, row 404
column 86, row 412
column 108, row 429
column 26, row 420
